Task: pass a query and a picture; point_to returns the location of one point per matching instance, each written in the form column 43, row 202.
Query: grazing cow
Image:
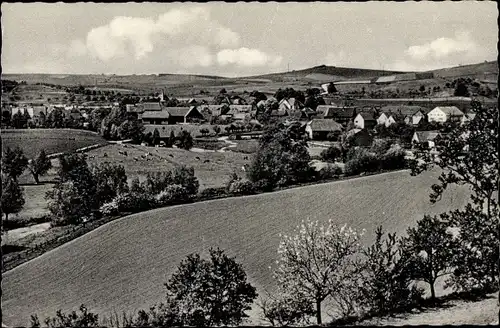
column 197, row 158
column 206, row 161
column 136, row 159
column 246, row 157
column 171, row 155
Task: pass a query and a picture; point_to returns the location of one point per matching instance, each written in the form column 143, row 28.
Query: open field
column 211, row 168
column 51, row 140
column 123, row 265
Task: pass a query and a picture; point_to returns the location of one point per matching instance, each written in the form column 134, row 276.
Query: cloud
column 443, row 47
column 247, row 57
column 192, row 56
column 140, row 36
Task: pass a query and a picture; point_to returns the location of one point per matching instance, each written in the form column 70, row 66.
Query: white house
column 445, row 114
column 467, row 118
column 382, row 119
column 425, row 137
column 289, row 105
column 365, row 121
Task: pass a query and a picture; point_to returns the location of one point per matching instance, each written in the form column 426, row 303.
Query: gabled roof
column 178, row 111
column 148, row 106
column 328, row 111
column 324, row 125
column 241, row 108
column 154, row 114
column 403, row 109
column 450, row 110
column 367, row 116
column 426, row 135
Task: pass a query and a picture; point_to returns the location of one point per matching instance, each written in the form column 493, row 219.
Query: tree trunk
column 318, row 312
column 433, row 291
column 35, row 176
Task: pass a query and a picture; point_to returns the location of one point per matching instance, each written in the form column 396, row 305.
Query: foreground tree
column 14, row 162
column 210, row 292
column 12, row 196
column 468, row 155
column 110, row 180
column 317, row 262
column 39, row 166
column 431, row 245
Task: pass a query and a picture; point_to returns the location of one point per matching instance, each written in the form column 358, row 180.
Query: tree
column 18, row 121
column 431, row 245
column 282, row 158
column 156, row 137
column 12, row 196
column 184, row 140
column 185, row 177
column 70, row 320
column 317, row 262
column 110, row 180
column 387, row 276
column 40, row 165
column 286, row 310
column 14, row 162
column 216, row 129
column 461, row 90
column 131, row 129
column 468, row 155
column 210, row 292
column 6, row 117
column 331, row 154
column 56, row 118
column 331, row 88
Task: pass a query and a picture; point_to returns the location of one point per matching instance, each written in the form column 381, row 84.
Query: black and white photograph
column 249, row 164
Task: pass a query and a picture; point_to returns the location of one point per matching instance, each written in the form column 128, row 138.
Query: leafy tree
column 387, row 276
column 6, row 117
column 14, row 162
column 282, row 158
column 135, row 186
column 156, row 137
column 55, row 118
column 286, row 310
column 317, row 262
column 40, row 165
column 110, row 180
column 184, row 140
column 155, row 183
column 331, row 154
column 331, row 88
column 131, row 129
column 210, row 292
column 12, row 196
column 468, row 155
column 185, row 177
column 461, row 89
column 431, row 245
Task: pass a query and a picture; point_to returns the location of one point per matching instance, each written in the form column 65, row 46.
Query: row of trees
column 58, row 118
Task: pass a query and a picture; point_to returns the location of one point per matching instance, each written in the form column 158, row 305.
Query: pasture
column 122, row 266
column 211, row 168
column 52, row 141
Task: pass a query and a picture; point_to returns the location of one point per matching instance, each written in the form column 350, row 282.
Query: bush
column 393, row 159
column 110, row 208
column 173, row 194
column 331, row 154
column 286, row 310
column 362, row 161
column 212, row 192
column 330, row 172
column 134, row 202
column 85, row 319
column 263, row 185
column 242, row 188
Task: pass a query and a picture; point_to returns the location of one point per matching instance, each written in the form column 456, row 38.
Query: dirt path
column 226, row 140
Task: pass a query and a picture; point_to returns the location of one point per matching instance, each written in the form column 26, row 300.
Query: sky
column 244, row 39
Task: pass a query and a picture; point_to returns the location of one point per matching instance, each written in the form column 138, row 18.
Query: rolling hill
column 123, row 265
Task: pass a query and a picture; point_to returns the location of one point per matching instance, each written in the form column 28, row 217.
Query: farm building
column 365, row 120
column 321, row 129
column 427, row 137
column 342, row 115
column 184, row 115
column 290, row 104
column 150, row 106
column 155, row 117
column 445, row 114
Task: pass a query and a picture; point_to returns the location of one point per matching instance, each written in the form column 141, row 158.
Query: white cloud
column 177, row 28
column 443, row 47
column 192, row 56
column 247, row 57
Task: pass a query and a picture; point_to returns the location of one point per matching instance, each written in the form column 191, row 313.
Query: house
column 290, row 105
column 38, row 115
column 322, row 129
column 340, row 114
column 365, row 120
column 359, row 137
column 445, row 114
column 183, row 115
column 467, row 118
column 155, row 117
column 427, row 137
column 234, row 109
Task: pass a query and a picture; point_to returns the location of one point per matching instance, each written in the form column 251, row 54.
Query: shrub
column 331, row 154
column 242, row 188
column 212, row 192
column 110, row 208
column 393, row 159
column 286, row 310
column 134, row 202
column 173, row 194
column 362, row 161
column 74, row 319
column 263, row 185
column 329, row 172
